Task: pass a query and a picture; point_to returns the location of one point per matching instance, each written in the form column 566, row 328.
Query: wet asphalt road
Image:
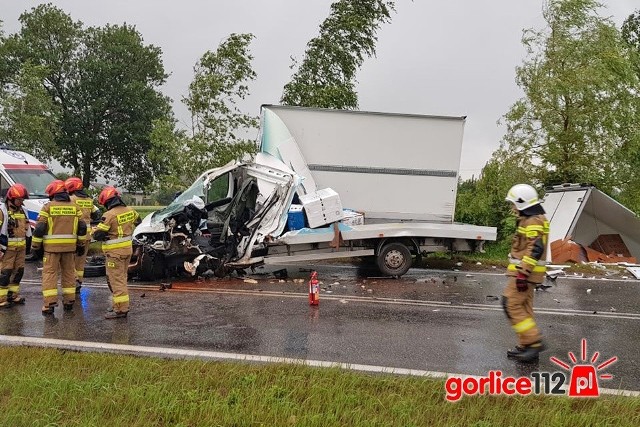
column 429, row 320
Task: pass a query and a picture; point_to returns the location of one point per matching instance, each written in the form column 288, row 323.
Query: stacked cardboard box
column 352, row 217
column 322, row 207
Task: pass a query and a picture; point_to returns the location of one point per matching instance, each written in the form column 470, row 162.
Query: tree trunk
column 86, row 171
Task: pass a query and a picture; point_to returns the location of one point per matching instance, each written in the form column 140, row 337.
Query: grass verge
column 52, row 387
column 146, row 210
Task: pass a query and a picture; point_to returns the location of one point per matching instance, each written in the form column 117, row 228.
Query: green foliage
column 326, row 76
column 221, row 80
column 579, row 119
column 47, row 387
column 482, row 201
column 631, row 35
column 92, row 95
column 580, row 103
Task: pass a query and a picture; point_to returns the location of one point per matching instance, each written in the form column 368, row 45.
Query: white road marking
column 378, row 300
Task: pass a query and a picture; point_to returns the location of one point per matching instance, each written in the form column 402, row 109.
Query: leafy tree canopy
column 580, row 104
column 87, row 97
column 326, row 76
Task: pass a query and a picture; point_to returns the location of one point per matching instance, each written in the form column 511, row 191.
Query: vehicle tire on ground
column 394, row 259
column 95, row 266
column 151, row 266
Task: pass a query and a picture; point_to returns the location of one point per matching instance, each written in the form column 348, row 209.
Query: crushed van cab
column 218, row 224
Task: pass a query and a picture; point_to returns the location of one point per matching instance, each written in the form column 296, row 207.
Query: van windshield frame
column 34, row 179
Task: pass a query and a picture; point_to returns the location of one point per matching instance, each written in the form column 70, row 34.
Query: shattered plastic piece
column 478, row 263
column 343, row 301
column 493, row 266
column 370, row 291
column 459, row 264
column 437, row 309
column 253, row 281
column 557, row 300
column 635, row 271
column 553, row 274
column 612, row 309
column 588, row 291
column 469, row 275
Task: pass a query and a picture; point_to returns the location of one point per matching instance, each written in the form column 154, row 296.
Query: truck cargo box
column 391, row 167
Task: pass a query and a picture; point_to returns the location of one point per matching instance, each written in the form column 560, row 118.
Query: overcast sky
column 453, row 57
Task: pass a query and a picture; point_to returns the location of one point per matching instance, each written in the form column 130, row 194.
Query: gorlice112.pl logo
column 582, row 381
column 583, row 378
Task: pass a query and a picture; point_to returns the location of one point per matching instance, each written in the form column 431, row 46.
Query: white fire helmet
column 523, row 196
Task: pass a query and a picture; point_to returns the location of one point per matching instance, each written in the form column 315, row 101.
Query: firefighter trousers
column 11, row 272
column 117, row 266
column 79, row 262
column 56, row 264
column 518, row 307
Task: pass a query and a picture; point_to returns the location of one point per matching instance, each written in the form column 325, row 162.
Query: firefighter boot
column 530, row 352
column 112, row 314
column 68, row 306
column 15, row 299
column 515, row 351
column 48, row 309
column 78, row 286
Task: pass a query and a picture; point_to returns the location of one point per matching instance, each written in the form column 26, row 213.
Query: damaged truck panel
column 236, row 216
column 581, row 213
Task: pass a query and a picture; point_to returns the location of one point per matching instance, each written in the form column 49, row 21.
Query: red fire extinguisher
column 314, row 289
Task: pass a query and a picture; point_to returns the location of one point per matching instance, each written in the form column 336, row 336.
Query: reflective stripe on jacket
column 119, row 223
column 531, row 239
column 62, row 226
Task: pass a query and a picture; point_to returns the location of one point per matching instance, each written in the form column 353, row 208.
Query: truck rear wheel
column 394, row 259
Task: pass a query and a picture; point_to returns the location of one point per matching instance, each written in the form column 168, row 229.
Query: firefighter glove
column 521, row 282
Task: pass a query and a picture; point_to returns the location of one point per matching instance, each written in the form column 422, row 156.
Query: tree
column 631, row 35
column 219, row 128
column 580, row 98
column 103, row 97
column 482, row 201
column 326, row 76
column 629, row 192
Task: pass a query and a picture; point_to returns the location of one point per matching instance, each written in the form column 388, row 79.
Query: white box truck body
column 392, row 167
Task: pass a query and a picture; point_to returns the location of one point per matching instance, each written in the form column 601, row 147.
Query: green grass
column 146, row 210
column 47, row 387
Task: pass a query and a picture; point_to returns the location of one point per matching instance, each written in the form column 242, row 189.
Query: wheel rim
column 394, row 259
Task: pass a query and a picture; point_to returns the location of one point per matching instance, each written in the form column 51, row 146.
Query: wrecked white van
column 236, row 216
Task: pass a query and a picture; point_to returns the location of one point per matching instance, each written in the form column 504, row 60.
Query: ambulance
column 20, row 167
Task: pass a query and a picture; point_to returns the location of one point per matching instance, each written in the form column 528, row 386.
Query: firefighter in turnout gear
column 115, row 231
column 526, row 269
column 61, row 233
column 14, row 230
column 90, row 212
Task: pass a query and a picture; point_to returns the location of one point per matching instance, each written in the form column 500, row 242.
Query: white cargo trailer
column 399, row 170
column 581, row 212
